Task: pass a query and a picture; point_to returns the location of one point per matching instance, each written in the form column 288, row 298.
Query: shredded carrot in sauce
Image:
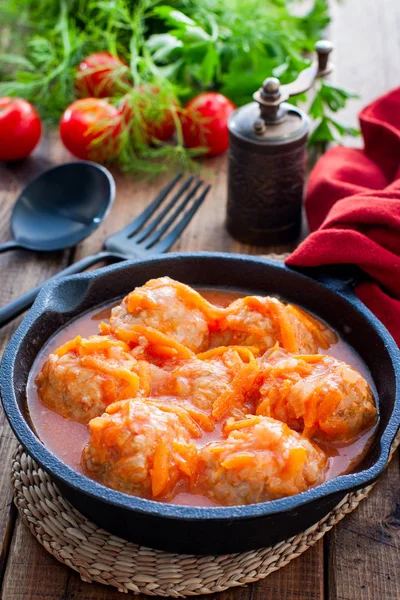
column 289, row 340
column 310, row 358
column 196, row 300
column 99, row 343
column 239, row 461
column 160, row 472
column 104, row 328
column 158, row 341
column 241, row 384
column 248, row 352
column 329, row 404
column 186, row 458
column 114, row 408
column 232, row 425
column 71, row 346
column 297, row 458
column 183, row 415
column 203, row 420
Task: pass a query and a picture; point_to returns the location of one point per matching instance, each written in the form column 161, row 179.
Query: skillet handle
column 16, row 307
column 341, row 279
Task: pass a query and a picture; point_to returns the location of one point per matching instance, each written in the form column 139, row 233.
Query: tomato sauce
column 66, row 439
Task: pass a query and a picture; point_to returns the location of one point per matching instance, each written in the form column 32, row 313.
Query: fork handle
column 16, row 307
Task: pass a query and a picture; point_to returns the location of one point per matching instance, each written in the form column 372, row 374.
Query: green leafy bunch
column 181, row 46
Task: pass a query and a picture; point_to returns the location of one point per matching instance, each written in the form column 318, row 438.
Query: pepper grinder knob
column 323, row 49
column 270, row 88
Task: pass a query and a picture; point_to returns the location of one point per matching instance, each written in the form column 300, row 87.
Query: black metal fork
column 144, row 236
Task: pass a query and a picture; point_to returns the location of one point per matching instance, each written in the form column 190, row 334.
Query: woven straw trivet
column 99, row 556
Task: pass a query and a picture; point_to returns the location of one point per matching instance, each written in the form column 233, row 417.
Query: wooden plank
column 32, row 573
column 362, row 553
column 20, row 271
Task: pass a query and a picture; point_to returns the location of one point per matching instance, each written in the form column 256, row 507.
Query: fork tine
column 141, row 235
column 137, row 223
column 156, row 235
column 166, row 243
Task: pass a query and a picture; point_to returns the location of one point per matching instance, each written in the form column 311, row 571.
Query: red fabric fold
column 353, row 209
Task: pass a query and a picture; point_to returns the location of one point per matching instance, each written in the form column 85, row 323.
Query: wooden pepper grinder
column 267, row 159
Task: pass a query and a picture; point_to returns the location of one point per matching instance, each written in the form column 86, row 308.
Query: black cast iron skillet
column 217, row 529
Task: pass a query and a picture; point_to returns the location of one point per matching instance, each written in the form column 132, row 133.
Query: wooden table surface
column 359, row 559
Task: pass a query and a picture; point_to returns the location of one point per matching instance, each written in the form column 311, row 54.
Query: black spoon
column 61, row 207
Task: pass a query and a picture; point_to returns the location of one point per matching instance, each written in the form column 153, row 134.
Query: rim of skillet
column 59, row 470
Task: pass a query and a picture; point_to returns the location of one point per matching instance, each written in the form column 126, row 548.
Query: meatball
column 140, row 448
column 171, row 308
column 204, row 379
column 85, row 375
column 217, row 383
column 319, row 395
column 261, row 459
column 250, row 321
column 263, row 321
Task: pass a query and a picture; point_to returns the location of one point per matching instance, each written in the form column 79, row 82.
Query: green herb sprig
column 182, row 46
column 329, row 99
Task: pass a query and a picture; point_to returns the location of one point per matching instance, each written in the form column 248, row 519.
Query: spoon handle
column 16, row 307
column 10, row 245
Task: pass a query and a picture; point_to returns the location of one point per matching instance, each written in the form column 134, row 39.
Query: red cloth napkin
column 353, row 209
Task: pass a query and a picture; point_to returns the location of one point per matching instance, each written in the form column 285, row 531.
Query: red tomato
column 20, row 128
column 205, row 122
column 89, row 129
column 153, row 114
column 98, row 74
